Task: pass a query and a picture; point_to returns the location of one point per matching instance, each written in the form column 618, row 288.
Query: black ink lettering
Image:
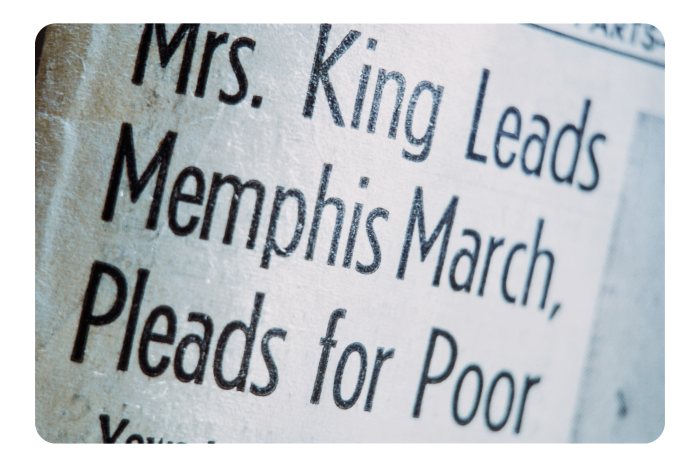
column 87, row 319
column 500, row 133
column 125, row 151
column 569, row 178
column 427, row 139
column 529, row 382
column 178, row 196
column 425, row 379
column 477, row 116
column 327, row 342
column 648, row 28
column 417, row 215
column 337, row 397
column 321, row 203
column 269, row 362
column 536, row 253
column 634, row 32
column 504, row 280
column 378, row 362
column 360, row 99
column 213, row 41
column 376, row 251
column 555, row 308
column 249, row 331
column 135, row 437
column 493, row 244
column 594, row 166
column 149, row 336
column 455, row 398
column 617, row 31
column 166, row 51
column 246, row 42
column 382, row 78
column 320, row 71
column 602, row 26
column 271, row 242
column 352, row 236
column 487, row 415
column 140, row 289
column 542, row 140
column 238, row 189
column 473, row 259
column 203, row 342
column 106, row 437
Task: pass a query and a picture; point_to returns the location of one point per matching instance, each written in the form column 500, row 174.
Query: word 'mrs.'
column 166, row 51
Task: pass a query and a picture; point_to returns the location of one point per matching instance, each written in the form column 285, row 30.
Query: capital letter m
column 125, row 151
column 166, row 50
column 417, row 216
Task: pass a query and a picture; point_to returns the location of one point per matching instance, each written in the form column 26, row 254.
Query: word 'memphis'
column 125, row 161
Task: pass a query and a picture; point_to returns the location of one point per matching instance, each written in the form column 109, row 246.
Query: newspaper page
column 349, row 233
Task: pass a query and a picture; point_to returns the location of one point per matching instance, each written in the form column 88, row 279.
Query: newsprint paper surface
column 350, row 233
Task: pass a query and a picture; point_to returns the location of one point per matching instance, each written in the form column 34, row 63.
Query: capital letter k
column 320, row 70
